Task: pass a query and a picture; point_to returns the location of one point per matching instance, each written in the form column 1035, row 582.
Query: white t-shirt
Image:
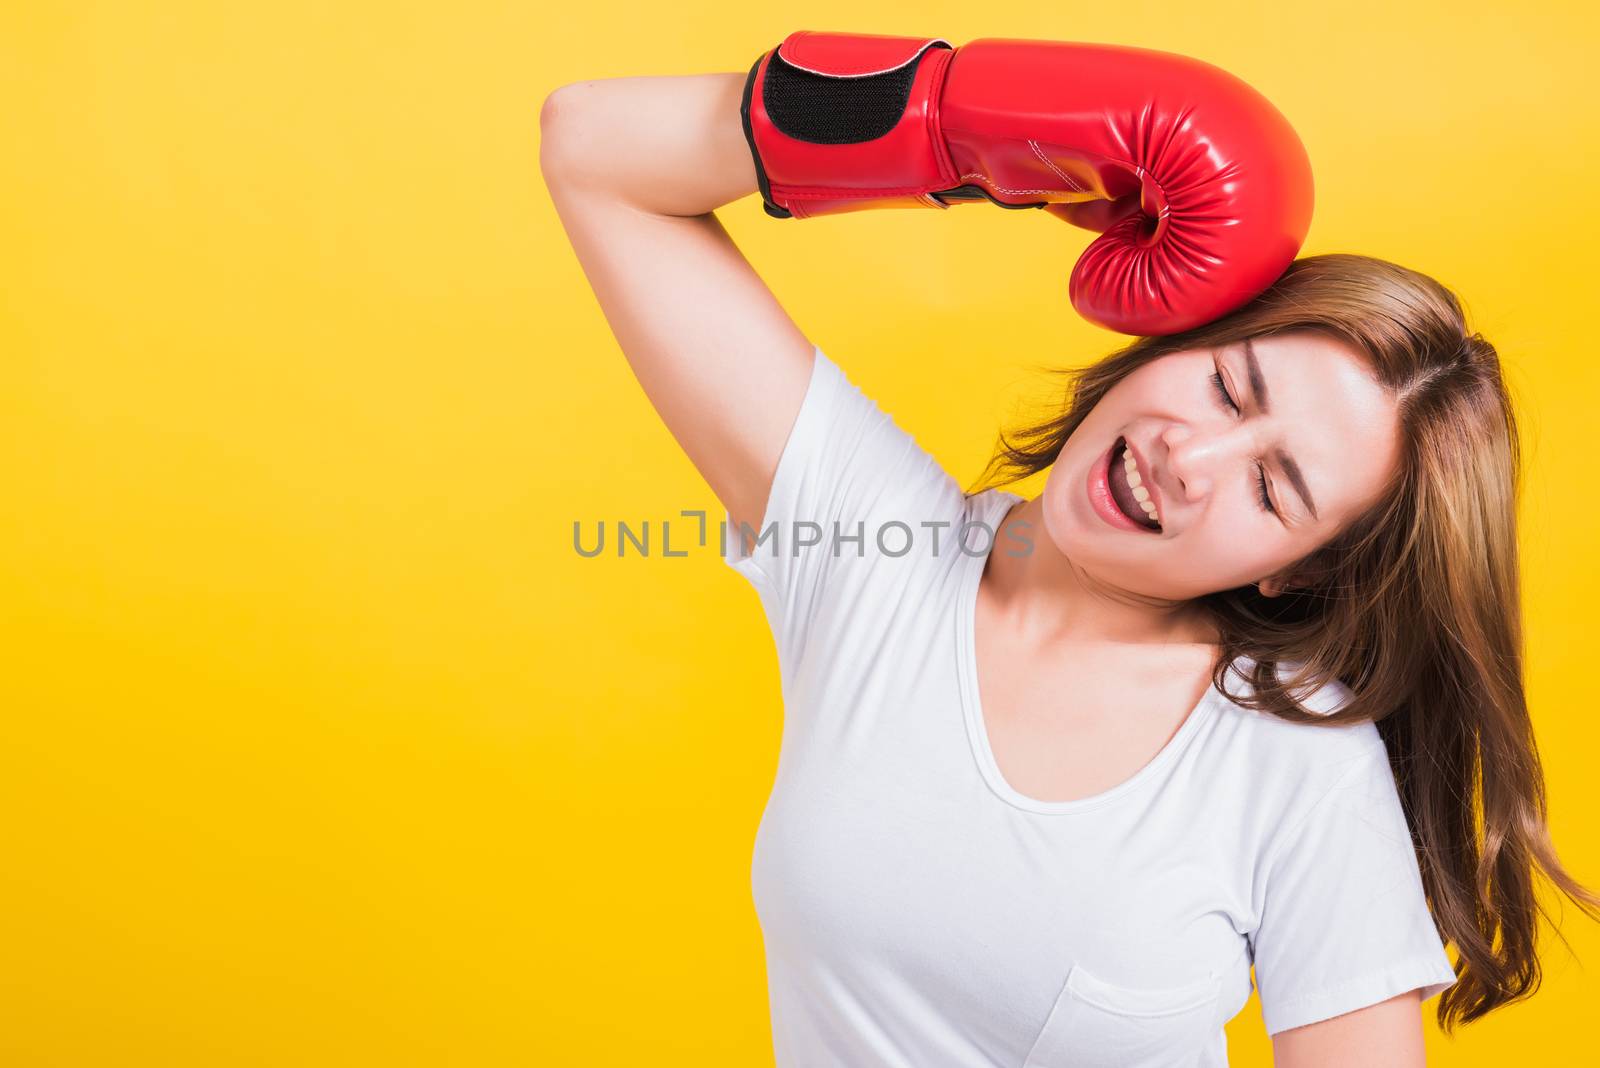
column 917, row 912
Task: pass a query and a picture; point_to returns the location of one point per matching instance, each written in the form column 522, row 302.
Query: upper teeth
column 1140, row 494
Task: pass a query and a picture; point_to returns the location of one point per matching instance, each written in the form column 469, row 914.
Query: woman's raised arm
column 635, row 167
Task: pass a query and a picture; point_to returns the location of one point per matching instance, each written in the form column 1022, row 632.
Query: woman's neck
column 1047, row 599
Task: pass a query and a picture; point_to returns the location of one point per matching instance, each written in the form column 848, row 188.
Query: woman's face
column 1311, row 421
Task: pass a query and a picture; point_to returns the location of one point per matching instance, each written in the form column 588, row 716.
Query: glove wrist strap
column 845, row 122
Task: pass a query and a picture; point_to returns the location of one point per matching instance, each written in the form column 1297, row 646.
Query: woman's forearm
column 669, row 144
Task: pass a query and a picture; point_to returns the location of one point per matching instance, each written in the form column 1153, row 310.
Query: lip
column 1099, row 490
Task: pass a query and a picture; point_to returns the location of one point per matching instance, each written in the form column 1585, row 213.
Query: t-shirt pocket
column 1096, row 1024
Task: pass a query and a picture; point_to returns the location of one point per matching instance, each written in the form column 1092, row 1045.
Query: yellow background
column 321, row 744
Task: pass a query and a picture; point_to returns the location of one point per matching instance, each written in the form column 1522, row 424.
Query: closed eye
column 1222, row 391
column 1261, row 472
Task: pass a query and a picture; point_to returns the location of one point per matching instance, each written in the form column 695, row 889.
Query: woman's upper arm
column 718, row 357
column 1385, row 1035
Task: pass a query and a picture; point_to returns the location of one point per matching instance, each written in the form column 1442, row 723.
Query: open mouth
column 1122, row 494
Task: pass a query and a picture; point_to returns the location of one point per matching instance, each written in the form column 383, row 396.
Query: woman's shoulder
column 1300, row 755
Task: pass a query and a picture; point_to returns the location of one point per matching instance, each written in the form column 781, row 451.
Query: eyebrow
column 1258, row 390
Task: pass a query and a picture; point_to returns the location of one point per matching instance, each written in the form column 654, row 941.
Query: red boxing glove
column 1197, row 185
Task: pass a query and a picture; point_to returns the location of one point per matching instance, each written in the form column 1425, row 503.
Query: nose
column 1195, row 458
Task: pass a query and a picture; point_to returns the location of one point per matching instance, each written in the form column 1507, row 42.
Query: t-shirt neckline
column 998, row 504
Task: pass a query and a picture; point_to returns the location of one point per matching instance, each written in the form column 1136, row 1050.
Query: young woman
column 1240, row 687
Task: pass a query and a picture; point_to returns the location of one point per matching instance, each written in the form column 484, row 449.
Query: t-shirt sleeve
column 852, row 490
column 1344, row 921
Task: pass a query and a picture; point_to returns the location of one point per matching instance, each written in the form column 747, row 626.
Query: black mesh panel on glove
column 824, row 110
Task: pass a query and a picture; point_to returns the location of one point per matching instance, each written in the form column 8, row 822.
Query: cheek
column 1217, row 555
column 1233, row 550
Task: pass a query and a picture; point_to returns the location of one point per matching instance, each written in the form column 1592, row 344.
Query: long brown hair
column 1415, row 605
